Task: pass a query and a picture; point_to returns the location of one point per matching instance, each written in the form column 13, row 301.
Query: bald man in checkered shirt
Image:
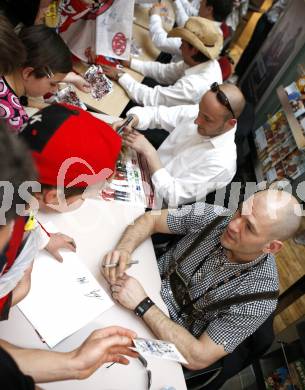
column 219, row 282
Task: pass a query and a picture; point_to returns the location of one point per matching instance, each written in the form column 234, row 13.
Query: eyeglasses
column 48, row 72
column 144, row 364
column 222, row 98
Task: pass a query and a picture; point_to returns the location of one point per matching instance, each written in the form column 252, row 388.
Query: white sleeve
column 182, row 92
column 184, row 9
column 160, row 117
column 162, row 73
column 193, row 187
column 159, row 37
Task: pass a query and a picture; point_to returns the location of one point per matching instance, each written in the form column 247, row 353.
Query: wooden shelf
column 294, row 125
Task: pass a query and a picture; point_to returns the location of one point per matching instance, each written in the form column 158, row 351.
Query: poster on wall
column 278, row 51
column 102, row 27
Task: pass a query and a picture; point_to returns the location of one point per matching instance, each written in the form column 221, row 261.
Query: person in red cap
column 73, row 152
column 21, row 368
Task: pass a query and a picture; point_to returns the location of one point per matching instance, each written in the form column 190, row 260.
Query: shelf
column 294, row 125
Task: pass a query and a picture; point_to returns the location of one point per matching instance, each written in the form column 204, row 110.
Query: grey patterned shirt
column 227, row 326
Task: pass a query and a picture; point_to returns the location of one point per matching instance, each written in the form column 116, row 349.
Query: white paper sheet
column 63, row 298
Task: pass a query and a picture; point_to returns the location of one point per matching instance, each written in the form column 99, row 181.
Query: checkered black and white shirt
column 227, row 326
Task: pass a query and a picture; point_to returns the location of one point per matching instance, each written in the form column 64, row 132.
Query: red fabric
column 15, row 242
column 83, row 137
column 225, row 30
column 11, row 255
column 226, row 67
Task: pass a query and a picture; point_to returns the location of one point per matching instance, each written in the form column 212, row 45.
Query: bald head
column 279, row 212
column 215, row 117
column 235, row 97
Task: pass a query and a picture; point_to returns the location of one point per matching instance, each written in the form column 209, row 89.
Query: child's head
column 73, row 152
column 16, row 167
column 48, row 60
column 12, row 51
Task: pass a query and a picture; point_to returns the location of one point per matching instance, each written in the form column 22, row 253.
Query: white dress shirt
column 184, row 9
column 186, row 85
column 193, row 165
column 164, row 43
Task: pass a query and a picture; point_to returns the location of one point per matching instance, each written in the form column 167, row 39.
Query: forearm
column 166, row 329
column 160, row 39
column 166, row 74
column 135, row 234
column 23, row 287
column 153, row 160
column 43, row 366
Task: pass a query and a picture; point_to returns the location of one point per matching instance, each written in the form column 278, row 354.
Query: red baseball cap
column 71, row 147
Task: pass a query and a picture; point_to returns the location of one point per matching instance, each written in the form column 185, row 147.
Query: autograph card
column 158, row 348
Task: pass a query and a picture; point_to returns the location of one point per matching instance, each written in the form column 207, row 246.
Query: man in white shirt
column 199, row 155
column 215, row 10
column 186, row 80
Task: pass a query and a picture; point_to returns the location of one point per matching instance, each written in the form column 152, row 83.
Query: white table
column 96, row 227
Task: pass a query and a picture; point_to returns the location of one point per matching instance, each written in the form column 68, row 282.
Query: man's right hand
column 129, row 128
column 120, row 257
column 102, row 346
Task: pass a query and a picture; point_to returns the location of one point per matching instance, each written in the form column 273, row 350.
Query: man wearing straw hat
column 183, row 82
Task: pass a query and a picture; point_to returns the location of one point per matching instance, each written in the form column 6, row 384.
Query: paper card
column 64, row 297
column 159, row 349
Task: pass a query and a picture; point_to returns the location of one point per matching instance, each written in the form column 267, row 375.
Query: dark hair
column 199, row 57
column 16, row 167
column 70, row 191
column 46, row 51
column 221, row 8
column 12, row 51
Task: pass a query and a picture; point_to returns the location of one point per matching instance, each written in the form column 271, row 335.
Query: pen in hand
column 113, row 265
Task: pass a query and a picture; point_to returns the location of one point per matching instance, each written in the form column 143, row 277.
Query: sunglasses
column 221, row 97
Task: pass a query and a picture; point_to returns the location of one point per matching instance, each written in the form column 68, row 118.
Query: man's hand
column 60, row 241
column 158, row 9
column 120, row 257
column 128, row 291
column 139, row 143
column 129, row 128
column 126, row 63
column 112, row 73
column 102, row 346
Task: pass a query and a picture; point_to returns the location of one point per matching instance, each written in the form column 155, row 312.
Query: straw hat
column 201, row 33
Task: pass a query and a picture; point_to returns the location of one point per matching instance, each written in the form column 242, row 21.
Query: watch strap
column 143, row 306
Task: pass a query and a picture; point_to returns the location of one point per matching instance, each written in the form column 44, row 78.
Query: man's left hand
column 128, row 291
column 111, row 72
column 138, row 142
